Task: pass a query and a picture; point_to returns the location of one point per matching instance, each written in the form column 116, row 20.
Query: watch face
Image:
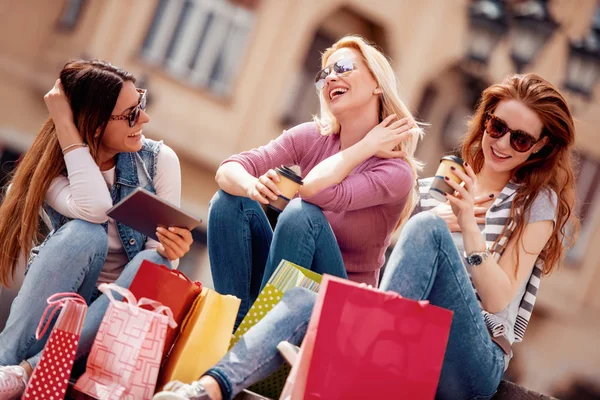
column 475, row 259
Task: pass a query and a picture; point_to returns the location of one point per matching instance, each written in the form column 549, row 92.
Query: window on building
column 302, row 101
column 199, row 41
column 588, row 195
column 71, row 13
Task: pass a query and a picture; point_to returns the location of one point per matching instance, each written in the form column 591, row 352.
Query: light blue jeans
column 244, row 251
column 425, row 264
column 69, row 261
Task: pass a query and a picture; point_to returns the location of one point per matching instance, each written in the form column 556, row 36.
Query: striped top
column 495, row 220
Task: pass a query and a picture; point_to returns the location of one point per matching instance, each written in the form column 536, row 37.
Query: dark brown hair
column 92, row 88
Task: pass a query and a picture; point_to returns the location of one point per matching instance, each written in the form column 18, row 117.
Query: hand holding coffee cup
column 265, row 188
column 439, row 187
column 288, row 183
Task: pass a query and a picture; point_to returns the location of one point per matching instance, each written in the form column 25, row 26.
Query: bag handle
column 108, row 288
column 55, row 303
column 133, row 304
column 177, row 273
column 393, row 295
column 160, row 309
column 180, row 274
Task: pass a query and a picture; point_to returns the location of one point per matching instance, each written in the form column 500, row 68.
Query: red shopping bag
column 370, row 344
column 127, row 351
column 169, row 287
column 51, row 376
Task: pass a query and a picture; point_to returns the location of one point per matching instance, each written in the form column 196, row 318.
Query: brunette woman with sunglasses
column 88, row 155
column 485, row 269
column 359, row 183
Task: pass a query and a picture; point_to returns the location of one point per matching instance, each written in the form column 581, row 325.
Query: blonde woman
column 360, row 174
column 359, row 182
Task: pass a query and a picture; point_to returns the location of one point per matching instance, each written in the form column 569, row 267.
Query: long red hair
column 551, row 167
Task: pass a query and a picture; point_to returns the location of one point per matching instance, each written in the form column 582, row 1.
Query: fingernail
column 466, row 165
column 491, row 195
column 446, row 178
column 453, row 168
column 172, row 229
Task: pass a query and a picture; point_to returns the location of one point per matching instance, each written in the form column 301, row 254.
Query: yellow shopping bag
column 204, row 337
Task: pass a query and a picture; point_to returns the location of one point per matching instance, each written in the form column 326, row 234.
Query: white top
column 85, row 194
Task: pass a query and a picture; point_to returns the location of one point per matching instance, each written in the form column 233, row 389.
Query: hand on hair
column 387, row 135
column 174, row 242
column 265, row 187
column 58, row 104
column 444, row 211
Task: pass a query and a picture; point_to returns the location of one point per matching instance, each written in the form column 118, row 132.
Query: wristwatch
column 477, row 257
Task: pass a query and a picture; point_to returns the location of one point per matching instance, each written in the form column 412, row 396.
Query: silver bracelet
column 74, row 145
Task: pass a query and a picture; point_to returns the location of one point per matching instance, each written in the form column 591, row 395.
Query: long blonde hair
column 390, row 103
column 92, row 88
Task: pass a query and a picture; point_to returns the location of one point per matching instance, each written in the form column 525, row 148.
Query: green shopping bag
column 287, row 276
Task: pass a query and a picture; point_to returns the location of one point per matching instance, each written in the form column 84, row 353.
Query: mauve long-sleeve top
column 363, row 209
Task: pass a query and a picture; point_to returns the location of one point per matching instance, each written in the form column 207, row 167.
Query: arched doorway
column 302, row 102
column 446, row 104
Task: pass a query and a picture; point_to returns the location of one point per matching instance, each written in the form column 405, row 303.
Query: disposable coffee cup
column 439, row 185
column 289, row 183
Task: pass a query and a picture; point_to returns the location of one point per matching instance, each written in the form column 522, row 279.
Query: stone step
column 511, row 391
column 506, row 391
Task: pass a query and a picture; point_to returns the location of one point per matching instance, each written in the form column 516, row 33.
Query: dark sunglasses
column 520, row 141
column 134, row 115
column 340, row 67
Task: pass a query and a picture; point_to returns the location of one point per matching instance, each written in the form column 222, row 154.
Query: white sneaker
column 180, row 391
column 13, row 381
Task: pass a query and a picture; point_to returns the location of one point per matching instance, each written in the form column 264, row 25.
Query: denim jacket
column 132, row 170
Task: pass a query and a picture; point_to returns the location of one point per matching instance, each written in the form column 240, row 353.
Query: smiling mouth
column 135, row 135
column 337, row 92
column 499, row 155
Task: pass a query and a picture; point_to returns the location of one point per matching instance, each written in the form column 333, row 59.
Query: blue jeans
column 425, row 264
column 244, row 251
column 69, row 261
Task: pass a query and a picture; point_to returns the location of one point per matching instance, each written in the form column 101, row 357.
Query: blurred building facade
column 225, row 76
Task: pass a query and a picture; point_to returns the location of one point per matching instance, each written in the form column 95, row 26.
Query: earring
column 377, row 91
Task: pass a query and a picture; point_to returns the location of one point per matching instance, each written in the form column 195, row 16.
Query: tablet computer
column 144, row 211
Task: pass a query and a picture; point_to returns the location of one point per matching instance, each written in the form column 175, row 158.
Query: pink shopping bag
column 363, row 343
column 128, row 348
column 51, row 376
